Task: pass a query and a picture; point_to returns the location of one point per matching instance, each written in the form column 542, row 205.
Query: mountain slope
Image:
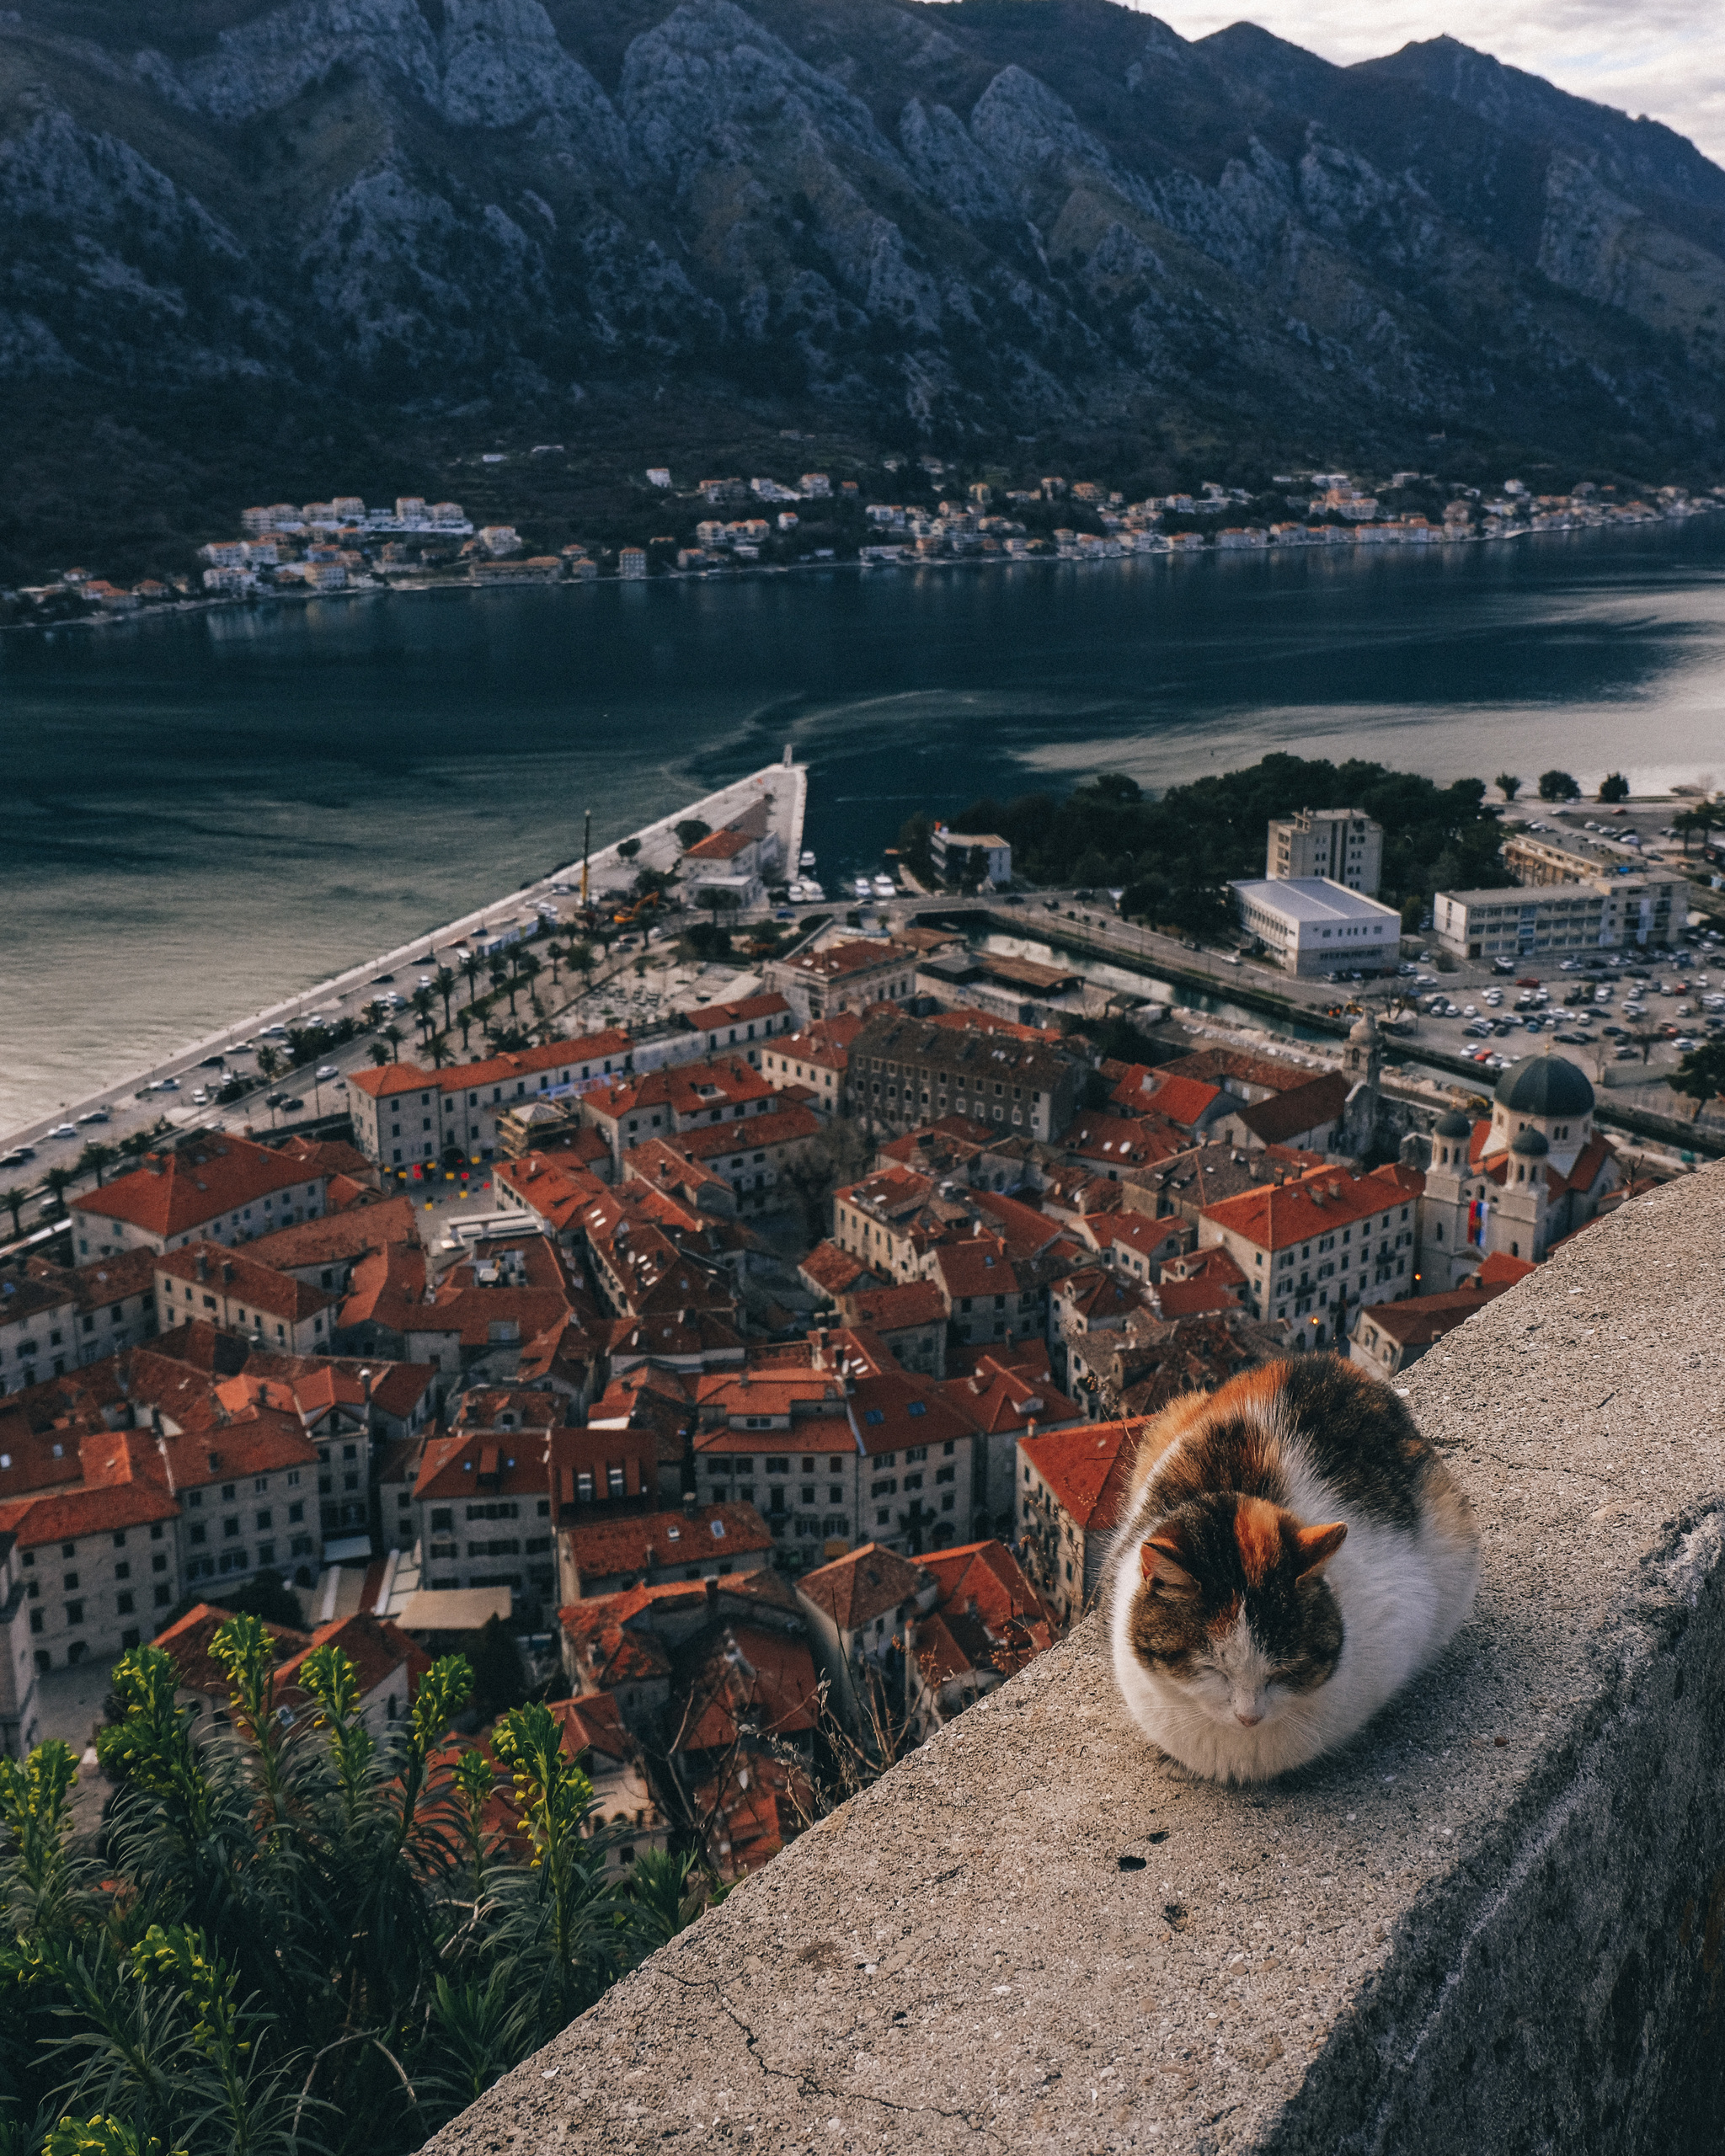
column 998, row 217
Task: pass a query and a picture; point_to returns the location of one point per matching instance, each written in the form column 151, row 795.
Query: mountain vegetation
column 265, row 248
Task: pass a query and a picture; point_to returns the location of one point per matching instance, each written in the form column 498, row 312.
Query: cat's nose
column 1251, row 1721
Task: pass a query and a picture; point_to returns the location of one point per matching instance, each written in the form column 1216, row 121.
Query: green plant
column 1507, row 784
column 300, row 1939
column 1614, row 787
column 1558, row 786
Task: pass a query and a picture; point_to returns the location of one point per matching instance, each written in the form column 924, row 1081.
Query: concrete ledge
column 1496, row 1923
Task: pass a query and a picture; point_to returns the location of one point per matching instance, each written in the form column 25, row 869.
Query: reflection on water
column 206, row 813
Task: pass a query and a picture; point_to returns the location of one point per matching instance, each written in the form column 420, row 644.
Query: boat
column 863, row 888
column 805, row 859
column 812, row 891
column 884, row 888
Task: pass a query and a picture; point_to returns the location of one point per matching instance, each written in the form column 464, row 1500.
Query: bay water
column 201, row 814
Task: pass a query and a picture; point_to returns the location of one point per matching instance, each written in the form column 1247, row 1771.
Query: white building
column 1344, row 844
column 1312, row 927
column 952, row 851
column 1600, row 913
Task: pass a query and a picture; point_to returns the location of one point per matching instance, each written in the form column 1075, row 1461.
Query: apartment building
column 404, row 1115
column 1341, row 845
column 1561, row 919
column 970, row 857
column 218, row 1190
column 1317, row 1248
column 845, row 976
column 236, row 1294
column 907, row 1072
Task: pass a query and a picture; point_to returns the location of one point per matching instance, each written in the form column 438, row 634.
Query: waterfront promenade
column 784, row 785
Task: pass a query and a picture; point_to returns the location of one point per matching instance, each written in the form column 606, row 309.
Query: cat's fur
column 1293, row 1551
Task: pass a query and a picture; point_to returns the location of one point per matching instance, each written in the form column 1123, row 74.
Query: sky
column 1665, row 58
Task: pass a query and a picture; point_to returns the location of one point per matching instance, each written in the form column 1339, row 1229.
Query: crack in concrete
column 808, row 2086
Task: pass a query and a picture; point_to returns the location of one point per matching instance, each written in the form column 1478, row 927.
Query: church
column 1518, row 1182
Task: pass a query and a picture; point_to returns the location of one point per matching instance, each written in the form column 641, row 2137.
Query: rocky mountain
column 987, row 219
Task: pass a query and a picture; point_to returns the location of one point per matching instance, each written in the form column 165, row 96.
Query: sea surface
column 200, row 814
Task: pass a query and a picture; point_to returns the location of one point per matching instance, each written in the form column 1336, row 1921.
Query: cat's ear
column 1315, row 1546
column 1163, row 1562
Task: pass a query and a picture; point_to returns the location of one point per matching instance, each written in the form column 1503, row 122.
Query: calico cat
column 1293, row 1551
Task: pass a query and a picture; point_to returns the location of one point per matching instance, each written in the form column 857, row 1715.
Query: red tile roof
column 719, row 846
column 380, row 1653
column 175, row 1192
column 201, row 1267
column 663, row 1540
column 1274, row 1216
column 1087, row 1469
column 869, row 1583
column 390, row 1078
column 890, row 1309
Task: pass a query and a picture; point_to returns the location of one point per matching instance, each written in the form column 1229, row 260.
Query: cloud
column 1664, row 58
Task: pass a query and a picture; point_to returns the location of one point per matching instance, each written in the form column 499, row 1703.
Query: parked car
column 63, row 1130
column 17, row 1157
column 293, row 1101
column 328, row 1071
column 200, row 1099
column 168, row 1085
column 94, row 1115
column 214, row 1063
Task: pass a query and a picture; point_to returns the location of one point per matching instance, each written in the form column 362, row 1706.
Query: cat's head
column 1230, row 1605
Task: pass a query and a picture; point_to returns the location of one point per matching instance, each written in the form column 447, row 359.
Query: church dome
column 1545, row 1085
column 1453, row 1123
column 1530, row 1143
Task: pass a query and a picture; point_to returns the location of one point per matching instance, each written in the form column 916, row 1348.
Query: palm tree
column 423, row 1000
column 556, row 954
column 472, row 966
column 580, row 956
column 440, row 1052
column 465, row 1022
column 529, row 968
column 269, row 1062
column 444, row 984
column 1507, row 784
column 58, row 1181
column 378, row 1054
column 135, row 1144
column 14, row 1200
column 395, row 1037
column 94, row 1158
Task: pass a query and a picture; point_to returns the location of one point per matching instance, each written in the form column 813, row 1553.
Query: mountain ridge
column 998, row 219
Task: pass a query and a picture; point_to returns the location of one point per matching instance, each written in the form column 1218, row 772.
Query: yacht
column 884, row 888
column 863, row 888
column 805, row 859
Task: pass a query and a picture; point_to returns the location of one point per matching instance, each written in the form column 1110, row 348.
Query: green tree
column 1558, row 786
column 14, row 1201
column 378, row 1052
column 690, row 832
column 269, row 1062
column 1701, row 1074
column 1614, row 787
column 1507, row 784
column 627, row 849
column 423, row 1002
column 394, row 1037
column 96, row 1158
column 59, row 1181
column 445, row 984
column 472, row 966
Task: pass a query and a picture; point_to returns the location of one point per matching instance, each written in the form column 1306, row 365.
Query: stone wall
column 1495, row 1923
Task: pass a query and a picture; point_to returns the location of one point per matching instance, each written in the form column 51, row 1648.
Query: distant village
column 312, row 549
column 783, row 1401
